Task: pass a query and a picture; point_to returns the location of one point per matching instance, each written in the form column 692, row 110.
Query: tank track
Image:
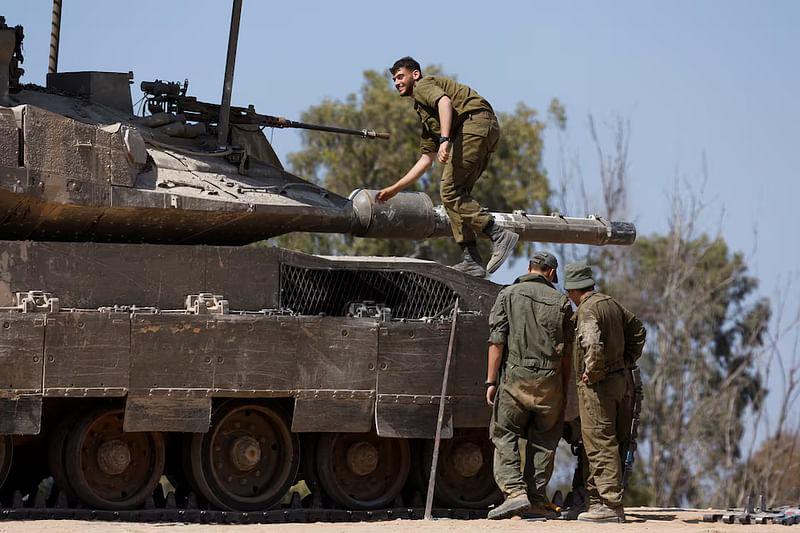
column 171, row 509
column 169, row 513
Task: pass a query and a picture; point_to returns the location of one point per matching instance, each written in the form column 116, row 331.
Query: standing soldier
column 531, row 338
column 459, row 129
column 609, row 339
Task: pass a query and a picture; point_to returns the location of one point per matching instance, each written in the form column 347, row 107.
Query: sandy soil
column 639, row 519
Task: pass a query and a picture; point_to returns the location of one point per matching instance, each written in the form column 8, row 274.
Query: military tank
column 141, row 344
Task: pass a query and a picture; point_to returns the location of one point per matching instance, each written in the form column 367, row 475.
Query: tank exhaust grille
column 328, row 291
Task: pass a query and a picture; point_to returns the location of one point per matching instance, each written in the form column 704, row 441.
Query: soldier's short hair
column 405, row 62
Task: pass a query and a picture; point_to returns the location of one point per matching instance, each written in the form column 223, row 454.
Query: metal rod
column 55, row 37
column 227, row 87
column 439, row 421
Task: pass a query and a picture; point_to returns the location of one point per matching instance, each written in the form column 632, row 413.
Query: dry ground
column 639, row 519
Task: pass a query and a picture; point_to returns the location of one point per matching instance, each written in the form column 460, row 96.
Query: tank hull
column 179, row 342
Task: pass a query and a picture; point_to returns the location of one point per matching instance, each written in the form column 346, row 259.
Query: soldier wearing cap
column 609, row 339
column 530, row 337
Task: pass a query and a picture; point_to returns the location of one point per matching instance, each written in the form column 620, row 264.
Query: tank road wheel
column 247, row 460
column 108, row 468
column 361, row 470
column 6, row 453
column 465, row 477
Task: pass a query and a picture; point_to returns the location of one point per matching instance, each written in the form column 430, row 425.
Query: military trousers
column 605, row 423
column 528, row 405
column 470, row 156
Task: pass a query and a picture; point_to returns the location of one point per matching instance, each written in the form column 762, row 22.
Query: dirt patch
column 639, row 519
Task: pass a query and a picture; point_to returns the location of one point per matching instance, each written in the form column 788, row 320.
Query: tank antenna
column 55, row 36
column 227, row 88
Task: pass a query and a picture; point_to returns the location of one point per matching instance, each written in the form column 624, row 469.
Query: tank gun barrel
column 171, row 97
column 413, row 216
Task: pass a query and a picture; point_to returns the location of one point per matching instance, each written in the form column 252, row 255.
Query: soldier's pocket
column 590, row 411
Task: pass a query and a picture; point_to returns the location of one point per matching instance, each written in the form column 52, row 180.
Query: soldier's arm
column 635, row 335
column 445, row 107
column 498, row 333
column 590, row 338
column 495, row 358
column 569, row 339
column 420, row 167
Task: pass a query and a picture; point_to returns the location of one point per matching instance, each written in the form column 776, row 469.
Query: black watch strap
column 443, row 139
column 491, row 384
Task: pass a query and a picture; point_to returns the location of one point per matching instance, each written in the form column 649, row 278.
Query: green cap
column 548, row 260
column 578, row 275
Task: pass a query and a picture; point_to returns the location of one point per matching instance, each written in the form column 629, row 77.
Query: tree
column 706, row 336
column 514, row 180
column 772, row 469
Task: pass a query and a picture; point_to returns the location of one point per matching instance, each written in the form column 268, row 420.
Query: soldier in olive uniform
column 609, row 338
column 531, row 334
column 459, row 129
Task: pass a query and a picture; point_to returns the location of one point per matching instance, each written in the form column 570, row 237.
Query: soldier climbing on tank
column 459, row 129
column 531, row 335
column 609, row 338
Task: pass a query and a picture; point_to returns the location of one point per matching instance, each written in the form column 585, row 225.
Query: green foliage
column 515, row 178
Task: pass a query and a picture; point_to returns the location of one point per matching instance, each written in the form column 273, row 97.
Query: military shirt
column 534, row 321
column 466, row 101
column 608, row 337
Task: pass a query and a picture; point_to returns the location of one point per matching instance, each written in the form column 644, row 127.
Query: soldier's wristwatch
column 443, row 139
column 491, row 384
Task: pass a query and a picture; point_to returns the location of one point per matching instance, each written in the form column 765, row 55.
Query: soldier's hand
column 490, row 392
column 385, row 195
column 444, row 152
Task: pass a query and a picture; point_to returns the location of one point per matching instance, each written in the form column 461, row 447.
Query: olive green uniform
column 473, row 137
column 533, row 320
column 609, row 338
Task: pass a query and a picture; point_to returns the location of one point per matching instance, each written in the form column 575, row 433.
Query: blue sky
column 717, row 78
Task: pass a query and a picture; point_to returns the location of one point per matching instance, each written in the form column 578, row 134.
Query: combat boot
column 472, row 262
column 513, row 506
column 600, row 512
column 503, row 242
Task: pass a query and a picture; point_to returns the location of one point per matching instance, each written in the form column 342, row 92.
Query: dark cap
column 578, row 275
column 547, row 260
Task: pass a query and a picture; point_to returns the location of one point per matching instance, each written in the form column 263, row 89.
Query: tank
column 143, row 347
